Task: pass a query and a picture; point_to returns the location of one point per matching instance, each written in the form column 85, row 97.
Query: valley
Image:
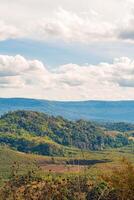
column 38, row 149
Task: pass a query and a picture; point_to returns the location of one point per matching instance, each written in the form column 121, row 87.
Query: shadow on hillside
column 87, row 162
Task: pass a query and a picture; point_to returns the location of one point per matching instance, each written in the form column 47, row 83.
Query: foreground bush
column 121, row 182
column 30, row 188
column 119, row 185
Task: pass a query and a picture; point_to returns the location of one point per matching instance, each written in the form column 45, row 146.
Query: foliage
column 51, row 188
column 121, row 181
column 119, row 185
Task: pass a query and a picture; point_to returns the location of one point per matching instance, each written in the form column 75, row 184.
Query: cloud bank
column 31, row 78
column 69, row 26
column 72, row 27
column 86, row 28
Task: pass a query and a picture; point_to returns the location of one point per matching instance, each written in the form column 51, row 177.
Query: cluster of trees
column 39, row 133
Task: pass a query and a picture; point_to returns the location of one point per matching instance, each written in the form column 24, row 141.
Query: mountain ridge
column 96, row 110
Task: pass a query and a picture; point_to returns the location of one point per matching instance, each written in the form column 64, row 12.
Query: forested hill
column 118, row 126
column 116, row 111
column 40, row 133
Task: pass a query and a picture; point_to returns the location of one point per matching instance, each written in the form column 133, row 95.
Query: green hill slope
column 9, row 157
column 39, row 133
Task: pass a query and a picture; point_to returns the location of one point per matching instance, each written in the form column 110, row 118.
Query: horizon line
column 71, row 101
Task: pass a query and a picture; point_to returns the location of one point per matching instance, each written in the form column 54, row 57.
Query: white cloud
column 126, row 31
column 8, row 31
column 18, row 72
column 66, row 25
column 30, row 78
column 71, row 27
column 85, row 27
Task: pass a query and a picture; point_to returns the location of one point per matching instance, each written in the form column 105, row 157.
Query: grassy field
column 91, row 163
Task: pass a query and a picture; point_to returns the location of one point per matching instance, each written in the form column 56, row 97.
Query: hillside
column 90, row 110
column 9, row 157
column 35, row 132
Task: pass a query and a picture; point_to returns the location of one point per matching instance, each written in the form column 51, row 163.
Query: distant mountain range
column 90, row 110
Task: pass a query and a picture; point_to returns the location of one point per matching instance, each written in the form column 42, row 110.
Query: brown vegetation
column 118, row 185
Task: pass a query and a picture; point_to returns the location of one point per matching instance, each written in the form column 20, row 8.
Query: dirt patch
column 62, row 168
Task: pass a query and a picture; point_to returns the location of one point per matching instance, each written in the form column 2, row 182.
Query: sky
column 67, row 50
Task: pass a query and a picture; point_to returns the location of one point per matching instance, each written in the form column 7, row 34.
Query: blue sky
column 59, row 53
column 55, row 54
column 67, row 50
